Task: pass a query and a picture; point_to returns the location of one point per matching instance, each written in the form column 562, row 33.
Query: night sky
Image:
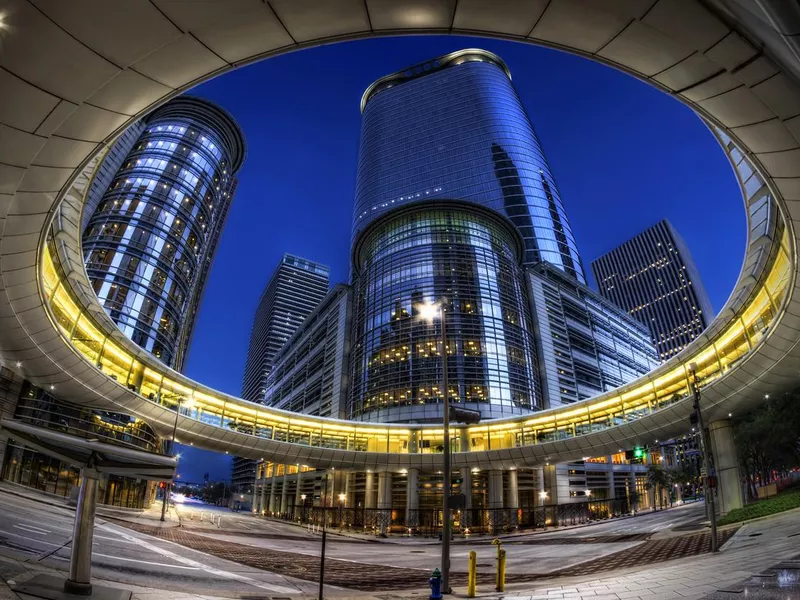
column 623, row 154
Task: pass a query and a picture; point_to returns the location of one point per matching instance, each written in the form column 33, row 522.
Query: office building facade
column 309, row 374
column 586, row 344
column 422, row 253
column 653, row 277
column 454, row 128
column 294, row 291
column 151, row 237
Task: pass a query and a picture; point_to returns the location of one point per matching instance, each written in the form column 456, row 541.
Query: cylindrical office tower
column 426, row 252
column 149, row 244
column 454, row 127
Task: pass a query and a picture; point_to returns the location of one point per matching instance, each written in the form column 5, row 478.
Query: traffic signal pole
column 705, row 448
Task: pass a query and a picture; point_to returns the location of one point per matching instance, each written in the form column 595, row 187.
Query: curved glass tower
column 424, row 252
column 455, row 128
column 149, row 244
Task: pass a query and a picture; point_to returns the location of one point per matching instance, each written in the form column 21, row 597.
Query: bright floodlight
column 428, row 311
column 543, row 495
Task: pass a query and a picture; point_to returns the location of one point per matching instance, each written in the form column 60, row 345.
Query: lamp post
column 430, row 312
column 168, row 488
column 705, row 450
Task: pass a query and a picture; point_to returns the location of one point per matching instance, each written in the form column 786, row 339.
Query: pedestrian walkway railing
column 428, row 522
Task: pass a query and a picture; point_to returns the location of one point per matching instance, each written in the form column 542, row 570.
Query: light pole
column 430, row 312
column 168, row 488
column 705, row 449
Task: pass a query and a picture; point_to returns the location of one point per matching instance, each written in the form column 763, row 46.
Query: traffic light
column 638, row 452
column 464, row 415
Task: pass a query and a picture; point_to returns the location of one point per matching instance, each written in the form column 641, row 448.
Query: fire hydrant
column 436, row 585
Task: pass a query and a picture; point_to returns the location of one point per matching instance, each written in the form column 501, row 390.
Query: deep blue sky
column 624, row 155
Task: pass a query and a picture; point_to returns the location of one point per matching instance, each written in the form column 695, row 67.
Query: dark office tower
column 155, row 225
column 653, row 277
column 424, row 252
column 294, row 291
column 454, row 128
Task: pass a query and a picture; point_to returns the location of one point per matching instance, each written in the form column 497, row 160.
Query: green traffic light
column 638, row 452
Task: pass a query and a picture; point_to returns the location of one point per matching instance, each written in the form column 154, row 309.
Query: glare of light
column 188, row 403
column 303, row 497
column 19, row 364
column 178, row 498
column 766, row 396
column 428, row 311
column 730, row 415
column 543, row 495
column 178, row 456
column 52, row 387
column 342, row 497
column 588, row 493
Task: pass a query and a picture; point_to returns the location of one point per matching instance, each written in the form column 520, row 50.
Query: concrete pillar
column 272, row 481
column 632, row 492
column 541, row 492
column 512, row 497
column 298, row 492
column 384, row 501
column 412, row 498
column 729, row 481
column 79, row 580
column 495, row 500
column 466, row 477
column 254, row 500
column 550, row 478
column 285, row 491
column 350, row 490
column 263, row 504
column 612, row 490
column 369, row 489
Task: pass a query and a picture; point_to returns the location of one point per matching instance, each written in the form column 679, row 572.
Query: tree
column 657, row 480
column 768, row 441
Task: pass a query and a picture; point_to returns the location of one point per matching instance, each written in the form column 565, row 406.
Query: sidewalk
column 149, row 516
column 755, row 547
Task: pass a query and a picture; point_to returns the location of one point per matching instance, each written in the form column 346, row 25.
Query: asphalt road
column 38, row 533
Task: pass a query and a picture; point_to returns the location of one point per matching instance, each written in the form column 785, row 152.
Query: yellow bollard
column 501, row 571
column 472, row 577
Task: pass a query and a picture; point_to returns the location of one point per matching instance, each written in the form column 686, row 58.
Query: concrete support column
column 262, row 508
column 298, row 492
column 254, row 501
column 512, row 497
column 79, row 580
column 466, row 479
column 612, row 490
column 632, row 493
column 495, row 500
column 350, row 490
column 729, row 481
column 272, row 481
column 541, row 492
column 369, row 490
column 285, row 491
column 550, row 480
column 384, row 501
column 412, row 498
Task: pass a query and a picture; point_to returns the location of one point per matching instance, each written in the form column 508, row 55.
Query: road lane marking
column 146, row 562
column 207, row 568
column 31, row 529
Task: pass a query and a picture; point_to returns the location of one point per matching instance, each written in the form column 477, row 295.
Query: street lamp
column 430, row 312
column 705, row 448
column 188, row 403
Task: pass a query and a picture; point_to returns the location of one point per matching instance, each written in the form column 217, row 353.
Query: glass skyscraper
column 424, row 252
column 151, row 238
column 654, row 278
column 454, row 128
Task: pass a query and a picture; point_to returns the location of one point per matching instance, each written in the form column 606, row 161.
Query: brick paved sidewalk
column 755, row 547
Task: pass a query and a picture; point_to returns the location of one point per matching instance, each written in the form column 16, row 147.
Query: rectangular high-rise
column 294, row 291
column 653, row 277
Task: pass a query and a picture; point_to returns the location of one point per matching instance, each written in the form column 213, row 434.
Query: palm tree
column 657, row 480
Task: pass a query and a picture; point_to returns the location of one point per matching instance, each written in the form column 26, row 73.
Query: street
column 40, row 532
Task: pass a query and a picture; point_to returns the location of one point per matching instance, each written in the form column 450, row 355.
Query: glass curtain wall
column 431, row 252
